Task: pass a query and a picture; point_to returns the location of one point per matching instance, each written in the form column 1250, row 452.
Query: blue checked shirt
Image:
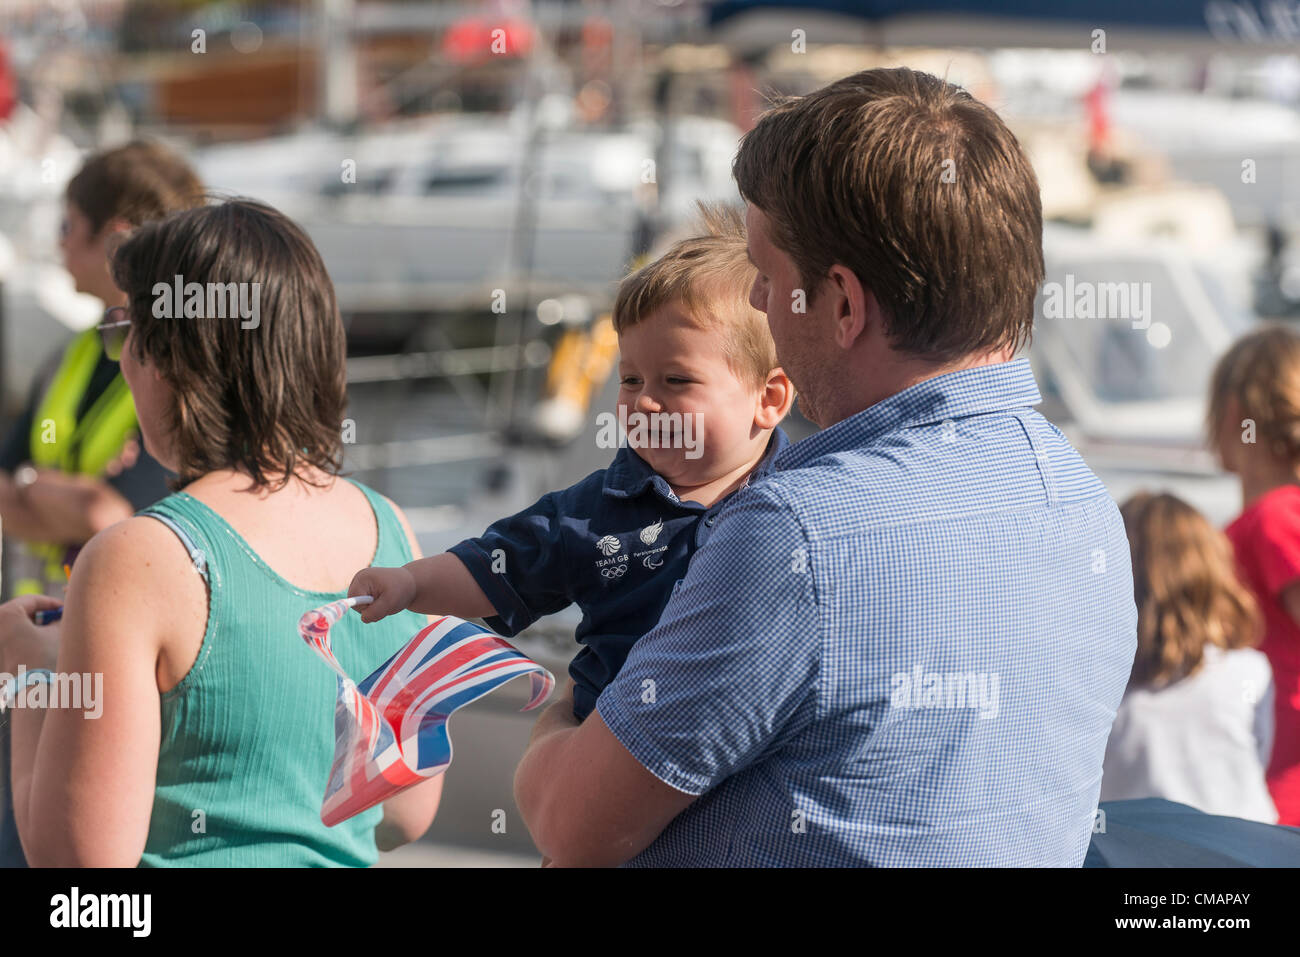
column 905, row 645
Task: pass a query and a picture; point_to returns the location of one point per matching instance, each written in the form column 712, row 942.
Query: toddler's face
column 669, row 365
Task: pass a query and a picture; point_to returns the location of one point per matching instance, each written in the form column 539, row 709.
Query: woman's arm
column 408, row 815
column 84, row 776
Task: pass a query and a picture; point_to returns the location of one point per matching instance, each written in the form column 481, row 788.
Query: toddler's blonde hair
column 709, row 275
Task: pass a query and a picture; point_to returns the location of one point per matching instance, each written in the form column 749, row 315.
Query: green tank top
column 248, row 734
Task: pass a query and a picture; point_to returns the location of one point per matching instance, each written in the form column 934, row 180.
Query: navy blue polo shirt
column 615, row 543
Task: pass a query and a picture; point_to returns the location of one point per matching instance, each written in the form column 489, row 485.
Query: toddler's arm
column 437, row 585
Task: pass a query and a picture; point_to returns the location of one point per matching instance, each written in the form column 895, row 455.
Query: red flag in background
column 8, row 86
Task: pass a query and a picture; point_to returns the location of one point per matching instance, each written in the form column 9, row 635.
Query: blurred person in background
column 1196, row 723
column 1254, row 425
column 71, row 464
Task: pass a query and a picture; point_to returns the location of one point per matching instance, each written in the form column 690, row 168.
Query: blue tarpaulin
column 1152, row 832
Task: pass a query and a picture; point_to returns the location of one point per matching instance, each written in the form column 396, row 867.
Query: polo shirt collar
column 953, row 395
column 629, row 475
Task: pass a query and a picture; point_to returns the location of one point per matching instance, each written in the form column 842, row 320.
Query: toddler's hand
column 392, row 588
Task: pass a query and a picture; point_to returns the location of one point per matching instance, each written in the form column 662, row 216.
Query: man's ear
column 775, row 401
column 857, row 311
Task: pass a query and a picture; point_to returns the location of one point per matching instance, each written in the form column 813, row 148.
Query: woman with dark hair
column 214, row 737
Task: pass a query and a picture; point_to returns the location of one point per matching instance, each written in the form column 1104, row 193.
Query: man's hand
column 557, row 717
column 586, row 801
column 392, row 588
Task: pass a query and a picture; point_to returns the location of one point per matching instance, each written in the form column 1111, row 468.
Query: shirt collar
column 629, row 475
column 953, row 395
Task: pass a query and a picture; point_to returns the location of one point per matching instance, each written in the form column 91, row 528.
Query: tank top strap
column 191, row 523
column 213, row 544
column 394, row 548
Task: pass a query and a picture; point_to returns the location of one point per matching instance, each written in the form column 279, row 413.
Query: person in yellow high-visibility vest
column 72, row 463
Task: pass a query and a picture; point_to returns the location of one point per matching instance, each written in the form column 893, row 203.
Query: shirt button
column 709, row 521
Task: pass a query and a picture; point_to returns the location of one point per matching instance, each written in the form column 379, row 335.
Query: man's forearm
column 558, row 716
column 66, row 509
column 19, row 520
column 535, row 778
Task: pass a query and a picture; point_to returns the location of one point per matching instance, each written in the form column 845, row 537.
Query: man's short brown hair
column 709, row 275
column 135, row 183
column 920, row 190
column 267, row 399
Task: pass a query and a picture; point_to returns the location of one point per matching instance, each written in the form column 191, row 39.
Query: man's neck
column 891, row 374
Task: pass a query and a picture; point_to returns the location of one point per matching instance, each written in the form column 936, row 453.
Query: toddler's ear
column 775, row 400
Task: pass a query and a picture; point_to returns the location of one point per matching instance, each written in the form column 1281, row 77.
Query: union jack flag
column 390, row 731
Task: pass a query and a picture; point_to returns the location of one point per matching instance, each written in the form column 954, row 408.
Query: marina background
column 479, row 176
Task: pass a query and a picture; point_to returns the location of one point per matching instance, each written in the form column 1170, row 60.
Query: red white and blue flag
column 390, row 730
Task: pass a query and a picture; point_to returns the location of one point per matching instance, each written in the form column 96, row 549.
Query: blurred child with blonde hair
column 1196, row 722
column 1254, row 425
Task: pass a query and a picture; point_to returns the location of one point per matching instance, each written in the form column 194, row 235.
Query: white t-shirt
column 1203, row 741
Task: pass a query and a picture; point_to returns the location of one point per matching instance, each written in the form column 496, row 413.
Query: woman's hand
column 22, row 641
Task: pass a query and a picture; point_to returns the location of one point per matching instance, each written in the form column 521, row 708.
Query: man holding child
column 905, row 642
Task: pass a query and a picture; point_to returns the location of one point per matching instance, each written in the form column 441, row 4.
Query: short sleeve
column 731, row 670
column 519, row 563
column 1277, row 545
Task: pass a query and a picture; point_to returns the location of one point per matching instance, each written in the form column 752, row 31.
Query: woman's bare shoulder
column 141, row 563
column 133, row 539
